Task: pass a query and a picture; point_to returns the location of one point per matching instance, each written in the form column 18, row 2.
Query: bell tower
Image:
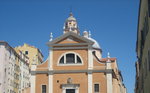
column 70, row 25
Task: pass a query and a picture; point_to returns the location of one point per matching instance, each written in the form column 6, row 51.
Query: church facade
column 75, row 65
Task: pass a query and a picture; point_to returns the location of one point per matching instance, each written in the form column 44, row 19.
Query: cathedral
column 75, row 65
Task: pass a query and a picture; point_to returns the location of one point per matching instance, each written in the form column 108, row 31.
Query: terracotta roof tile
column 105, row 59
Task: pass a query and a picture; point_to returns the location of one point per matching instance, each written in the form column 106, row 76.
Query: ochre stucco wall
column 100, row 78
column 77, row 78
column 41, row 79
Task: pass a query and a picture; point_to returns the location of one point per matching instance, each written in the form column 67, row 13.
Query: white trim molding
column 109, row 82
column 73, row 64
column 71, row 71
column 70, row 86
column 109, row 78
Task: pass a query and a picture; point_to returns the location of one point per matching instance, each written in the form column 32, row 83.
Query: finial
column 64, row 27
column 108, row 55
column 85, row 30
column 70, row 14
column 89, row 33
column 85, row 33
column 71, row 11
column 51, row 36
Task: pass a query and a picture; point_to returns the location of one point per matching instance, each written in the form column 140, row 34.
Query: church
column 75, row 65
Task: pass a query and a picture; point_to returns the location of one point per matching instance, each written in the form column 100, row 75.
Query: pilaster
column 90, row 58
column 50, row 83
column 90, row 82
column 109, row 78
column 32, row 84
column 50, row 63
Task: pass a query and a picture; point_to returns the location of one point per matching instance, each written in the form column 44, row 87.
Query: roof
column 33, row 47
column 96, row 44
column 103, row 60
column 71, row 18
column 15, row 52
column 106, row 59
column 70, row 34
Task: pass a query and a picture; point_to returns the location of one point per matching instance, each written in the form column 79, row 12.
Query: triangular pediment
column 70, row 38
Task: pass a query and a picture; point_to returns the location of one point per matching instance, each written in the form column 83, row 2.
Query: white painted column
column 90, row 83
column 50, row 76
column 64, row 90
column 109, row 83
column 32, row 81
column 90, row 58
column 50, row 63
column 50, row 83
column 77, row 90
column 109, row 78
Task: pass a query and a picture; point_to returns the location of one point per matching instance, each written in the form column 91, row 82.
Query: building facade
column 10, row 69
column 32, row 52
column 75, row 65
column 143, row 49
column 24, row 76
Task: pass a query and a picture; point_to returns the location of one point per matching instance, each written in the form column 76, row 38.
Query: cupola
column 70, row 25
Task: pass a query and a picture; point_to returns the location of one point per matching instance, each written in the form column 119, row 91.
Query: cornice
column 71, row 71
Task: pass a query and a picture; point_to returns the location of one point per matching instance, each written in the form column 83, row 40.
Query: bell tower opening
column 70, row 25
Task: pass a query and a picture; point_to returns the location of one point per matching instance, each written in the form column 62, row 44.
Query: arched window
column 70, row 58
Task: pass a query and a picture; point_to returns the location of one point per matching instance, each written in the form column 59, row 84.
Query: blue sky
column 113, row 23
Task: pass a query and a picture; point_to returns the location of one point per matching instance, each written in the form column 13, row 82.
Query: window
column 43, row 88
column 96, row 88
column 70, row 90
column 62, row 60
column 78, row 59
column 26, row 52
column 70, row 58
column 146, row 67
column 149, row 59
column 149, row 7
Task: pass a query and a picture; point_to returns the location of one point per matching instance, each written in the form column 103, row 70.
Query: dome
column 95, row 45
column 71, row 18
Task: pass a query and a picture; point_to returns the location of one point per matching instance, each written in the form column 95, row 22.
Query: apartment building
column 32, row 53
column 11, row 64
column 143, row 49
